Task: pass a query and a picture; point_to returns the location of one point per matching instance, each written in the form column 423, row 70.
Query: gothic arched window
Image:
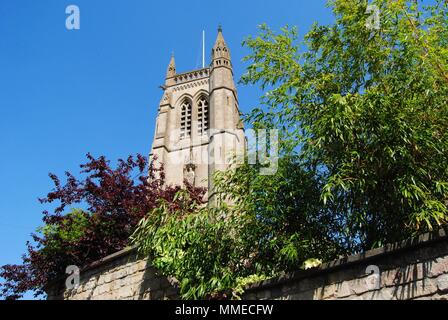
column 185, row 119
column 202, row 115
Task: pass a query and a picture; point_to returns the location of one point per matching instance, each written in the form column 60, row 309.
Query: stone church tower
column 198, row 127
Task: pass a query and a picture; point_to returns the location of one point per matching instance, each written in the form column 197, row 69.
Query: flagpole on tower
column 203, row 49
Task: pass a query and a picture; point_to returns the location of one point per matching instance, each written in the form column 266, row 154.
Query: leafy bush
column 366, row 113
column 272, row 224
column 115, row 200
column 202, row 251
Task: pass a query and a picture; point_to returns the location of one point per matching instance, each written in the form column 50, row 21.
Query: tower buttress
column 227, row 134
column 164, row 118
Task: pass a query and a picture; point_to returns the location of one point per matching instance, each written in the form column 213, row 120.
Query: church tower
column 198, row 128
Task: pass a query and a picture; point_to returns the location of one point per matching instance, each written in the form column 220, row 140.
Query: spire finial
column 171, row 71
column 220, row 49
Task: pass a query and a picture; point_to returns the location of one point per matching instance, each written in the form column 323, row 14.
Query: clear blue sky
column 65, row 93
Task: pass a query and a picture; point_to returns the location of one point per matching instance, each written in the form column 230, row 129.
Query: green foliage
column 62, row 236
column 366, row 113
column 364, row 142
column 311, row 263
column 242, row 283
column 272, row 225
column 200, row 247
column 71, row 229
column 289, row 224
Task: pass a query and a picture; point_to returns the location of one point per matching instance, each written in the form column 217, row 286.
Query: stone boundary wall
column 121, row 276
column 413, row 269
column 416, row 269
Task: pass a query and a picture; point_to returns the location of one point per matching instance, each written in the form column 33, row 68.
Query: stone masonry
column 414, row 269
column 198, row 128
column 121, row 276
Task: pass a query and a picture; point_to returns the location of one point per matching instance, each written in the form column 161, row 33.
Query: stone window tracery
column 185, row 119
column 203, row 115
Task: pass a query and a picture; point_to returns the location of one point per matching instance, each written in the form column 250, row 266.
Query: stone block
column 325, row 293
column 403, row 275
column 100, row 280
column 303, row 295
column 171, row 292
column 437, row 266
column 424, row 298
column 147, row 295
column 96, row 291
column 442, row 296
column 101, row 290
column 133, row 268
column 311, row 283
column 153, row 284
column 250, row 296
column 353, row 287
column 80, row 296
column 90, row 284
column 128, row 280
column 125, row 292
column 343, row 289
column 121, row 273
column 416, row 289
column 157, row 295
column 381, row 294
column 149, row 274
column 141, row 265
column 107, row 277
column 442, row 282
column 116, row 284
column 137, row 277
column 288, row 288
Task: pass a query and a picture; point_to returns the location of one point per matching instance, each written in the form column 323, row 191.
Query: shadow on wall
column 406, row 282
column 413, row 269
column 122, row 276
column 157, row 287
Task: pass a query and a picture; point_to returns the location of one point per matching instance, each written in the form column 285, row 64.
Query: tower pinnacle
column 171, row 71
column 220, row 49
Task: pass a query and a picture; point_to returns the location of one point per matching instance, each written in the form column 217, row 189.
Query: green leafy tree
column 191, row 244
column 365, row 111
column 261, row 226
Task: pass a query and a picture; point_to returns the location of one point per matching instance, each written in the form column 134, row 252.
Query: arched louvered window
column 185, row 119
column 202, row 115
